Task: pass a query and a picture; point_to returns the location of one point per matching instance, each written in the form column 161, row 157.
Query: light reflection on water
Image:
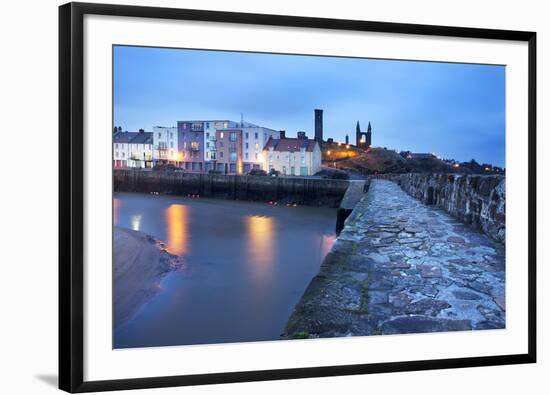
column 260, row 244
column 177, row 222
column 247, row 265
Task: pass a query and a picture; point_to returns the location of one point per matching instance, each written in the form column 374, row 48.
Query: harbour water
column 246, row 266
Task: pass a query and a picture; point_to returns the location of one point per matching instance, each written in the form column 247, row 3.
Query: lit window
column 225, row 125
column 221, row 135
column 257, row 146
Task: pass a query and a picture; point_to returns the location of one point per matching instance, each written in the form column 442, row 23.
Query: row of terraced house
column 223, row 146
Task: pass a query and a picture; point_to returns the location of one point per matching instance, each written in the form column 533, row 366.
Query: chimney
column 319, row 125
column 282, row 133
column 302, row 135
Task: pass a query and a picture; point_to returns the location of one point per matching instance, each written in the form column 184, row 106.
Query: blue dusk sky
column 454, row 110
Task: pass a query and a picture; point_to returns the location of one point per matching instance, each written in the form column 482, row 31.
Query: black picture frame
column 71, row 197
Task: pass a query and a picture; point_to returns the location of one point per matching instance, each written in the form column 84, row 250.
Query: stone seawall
column 399, row 266
column 476, row 200
column 308, row 191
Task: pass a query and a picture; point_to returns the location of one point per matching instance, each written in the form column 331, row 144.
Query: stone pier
column 400, row 266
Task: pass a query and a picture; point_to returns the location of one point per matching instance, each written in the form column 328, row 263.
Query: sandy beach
column 140, row 261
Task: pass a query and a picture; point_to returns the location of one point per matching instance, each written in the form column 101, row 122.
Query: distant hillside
column 380, row 160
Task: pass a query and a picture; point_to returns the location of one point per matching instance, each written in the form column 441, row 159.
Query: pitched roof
column 290, row 144
column 143, row 138
column 124, row 137
column 133, row 137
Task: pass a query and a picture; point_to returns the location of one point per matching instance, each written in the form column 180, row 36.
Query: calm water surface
column 247, row 265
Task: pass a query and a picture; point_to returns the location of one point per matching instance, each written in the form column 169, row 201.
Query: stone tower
column 319, row 126
column 369, row 136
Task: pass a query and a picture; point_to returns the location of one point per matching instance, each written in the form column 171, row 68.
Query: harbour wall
column 307, row 191
column 476, row 200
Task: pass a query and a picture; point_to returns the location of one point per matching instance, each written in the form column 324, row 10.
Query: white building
column 131, row 149
column 121, row 149
column 141, row 150
column 167, row 145
column 254, row 139
column 292, row 156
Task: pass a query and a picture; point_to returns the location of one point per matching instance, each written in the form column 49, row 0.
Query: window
column 171, row 135
column 116, row 154
column 246, row 156
column 221, row 144
column 208, row 127
column 221, row 154
column 246, row 135
column 225, row 125
column 265, row 136
column 123, row 154
column 246, row 145
column 207, row 145
column 160, row 134
column 256, row 156
column 257, row 146
column 221, row 136
column 207, row 134
column 256, row 135
column 195, row 145
column 171, row 144
column 233, row 156
column 185, row 145
column 116, row 145
column 233, row 136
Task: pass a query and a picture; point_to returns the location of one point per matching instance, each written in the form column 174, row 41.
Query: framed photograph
column 251, row 197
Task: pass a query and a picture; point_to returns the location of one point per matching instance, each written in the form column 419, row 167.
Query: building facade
column 254, row 140
column 131, row 149
column 229, row 147
column 167, row 146
column 293, row 156
column 141, row 150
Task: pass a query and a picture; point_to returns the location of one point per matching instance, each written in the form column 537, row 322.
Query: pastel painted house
column 292, row 156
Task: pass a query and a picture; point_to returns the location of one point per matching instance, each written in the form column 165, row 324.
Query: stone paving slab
column 399, row 266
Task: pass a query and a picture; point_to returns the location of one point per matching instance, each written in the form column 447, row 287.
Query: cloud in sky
column 454, row 110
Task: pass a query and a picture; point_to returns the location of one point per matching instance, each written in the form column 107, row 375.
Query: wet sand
column 140, row 262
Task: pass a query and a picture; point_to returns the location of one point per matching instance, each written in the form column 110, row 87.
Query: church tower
column 369, row 136
column 358, row 135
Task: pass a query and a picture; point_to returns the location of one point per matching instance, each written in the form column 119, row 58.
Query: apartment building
column 229, row 147
column 167, row 146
